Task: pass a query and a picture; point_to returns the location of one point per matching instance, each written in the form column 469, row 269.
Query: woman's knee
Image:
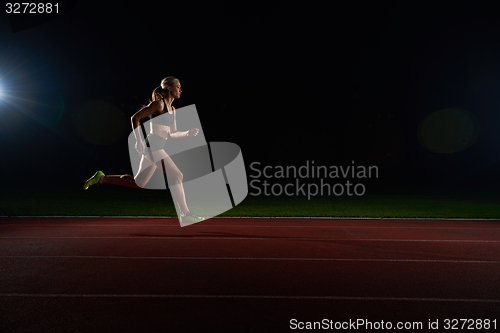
column 178, row 177
column 140, row 181
column 143, row 176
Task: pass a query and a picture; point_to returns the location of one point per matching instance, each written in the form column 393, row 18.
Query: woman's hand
column 193, row 132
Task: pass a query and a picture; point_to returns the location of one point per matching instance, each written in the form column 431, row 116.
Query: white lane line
column 182, row 237
column 244, row 258
column 271, row 217
column 346, row 298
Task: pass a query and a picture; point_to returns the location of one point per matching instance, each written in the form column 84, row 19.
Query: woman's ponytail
column 157, row 94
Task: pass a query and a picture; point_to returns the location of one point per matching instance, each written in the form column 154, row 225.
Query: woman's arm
column 143, row 113
column 174, row 133
column 179, row 134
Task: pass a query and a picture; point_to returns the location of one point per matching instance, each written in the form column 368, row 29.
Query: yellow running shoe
column 191, row 218
column 93, row 180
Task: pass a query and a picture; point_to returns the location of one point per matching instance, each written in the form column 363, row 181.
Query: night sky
column 412, row 89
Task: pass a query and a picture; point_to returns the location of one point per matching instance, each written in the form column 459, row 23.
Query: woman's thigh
column 162, row 161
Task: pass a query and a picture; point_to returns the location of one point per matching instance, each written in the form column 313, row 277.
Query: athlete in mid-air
column 153, row 155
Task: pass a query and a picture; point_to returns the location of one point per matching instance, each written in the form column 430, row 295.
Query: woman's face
column 175, row 90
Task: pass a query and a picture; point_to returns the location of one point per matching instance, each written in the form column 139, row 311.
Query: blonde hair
column 158, row 93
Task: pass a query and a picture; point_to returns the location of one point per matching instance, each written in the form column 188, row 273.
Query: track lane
column 127, row 275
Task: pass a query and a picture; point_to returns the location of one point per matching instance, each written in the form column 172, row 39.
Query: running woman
column 153, row 155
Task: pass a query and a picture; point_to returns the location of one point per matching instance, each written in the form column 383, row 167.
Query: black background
column 288, row 81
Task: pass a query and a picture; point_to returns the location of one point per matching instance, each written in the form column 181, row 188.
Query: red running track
column 247, row 275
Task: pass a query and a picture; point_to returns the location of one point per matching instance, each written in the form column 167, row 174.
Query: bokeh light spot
column 448, row 131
